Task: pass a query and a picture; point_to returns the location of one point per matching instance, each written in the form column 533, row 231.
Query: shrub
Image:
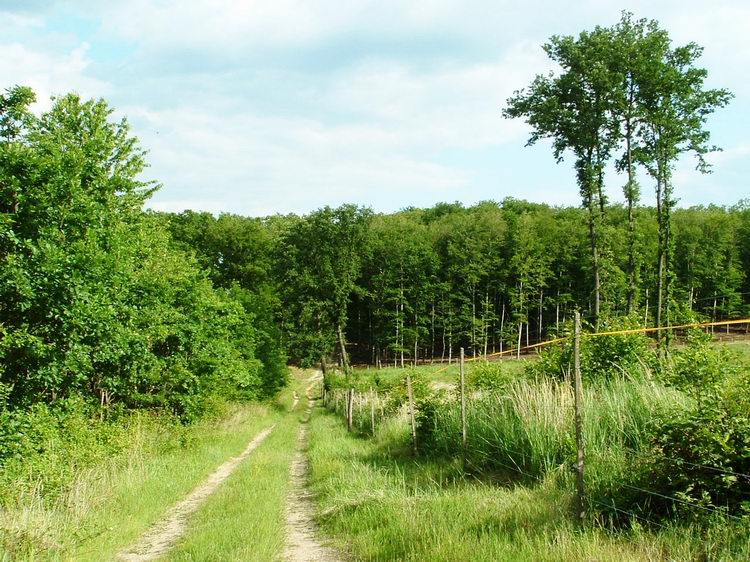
column 702, row 453
column 490, row 377
column 601, row 356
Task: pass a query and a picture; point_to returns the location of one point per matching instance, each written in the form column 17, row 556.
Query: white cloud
column 49, row 74
column 252, row 164
column 382, row 125
column 453, row 105
column 11, row 22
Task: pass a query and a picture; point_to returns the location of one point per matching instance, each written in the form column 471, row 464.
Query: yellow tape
column 600, row 334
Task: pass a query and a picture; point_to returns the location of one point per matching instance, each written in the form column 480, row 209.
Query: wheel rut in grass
column 162, row 536
column 301, row 545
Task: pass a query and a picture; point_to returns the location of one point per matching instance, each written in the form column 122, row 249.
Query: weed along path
column 301, row 544
column 160, row 538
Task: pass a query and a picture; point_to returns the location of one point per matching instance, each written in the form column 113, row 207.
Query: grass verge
column 381, row 504
column 106, row 507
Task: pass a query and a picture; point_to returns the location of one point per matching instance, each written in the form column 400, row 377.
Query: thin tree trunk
column 502, row 326
column 416, row 339
column 541, row 301
column 527, row 333
column 342, row 345
column 473, row 322
column 660, row 258
column 432, row 332
column 597, row 284
column 484, row 320
column 632, row 198
column 520, row 332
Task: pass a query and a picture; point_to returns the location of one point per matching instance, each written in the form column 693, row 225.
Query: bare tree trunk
column 631, row 193
column 713, row 314
column 450, row 338
column 432, row 332
column 473, row 322
column 595, row 261
column 518, row 348
column 416, row 339
column 660, row 258
column 502, row 326
column 395, row 364
column 442, row 355
column 485, row 326
column 401, row 315
column 541, row 301
column 342, row 345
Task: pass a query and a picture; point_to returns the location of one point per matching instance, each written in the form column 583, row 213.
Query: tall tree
column 320, row 259
column 674, row 106
column 574, row 109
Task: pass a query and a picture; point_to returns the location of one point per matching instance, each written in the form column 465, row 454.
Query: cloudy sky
column 265, row 106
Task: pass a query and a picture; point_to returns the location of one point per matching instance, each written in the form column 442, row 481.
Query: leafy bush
column 601, row 356
column 487, row 376
column 702, row 452
column 96, row 301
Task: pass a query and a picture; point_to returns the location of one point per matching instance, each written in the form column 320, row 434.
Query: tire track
column 302, row 546
column 162, row 536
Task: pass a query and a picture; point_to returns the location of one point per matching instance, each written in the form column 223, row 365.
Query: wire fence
column 373, row 407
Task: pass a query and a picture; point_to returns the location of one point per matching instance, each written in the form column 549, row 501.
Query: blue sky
column 260, row 107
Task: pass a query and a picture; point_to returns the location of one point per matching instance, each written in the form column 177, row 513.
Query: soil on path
column 163, row 535
column 302, row 545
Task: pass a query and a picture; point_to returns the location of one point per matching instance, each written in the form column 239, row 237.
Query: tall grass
column 527, row 428
column 89, row 511
column 381, row 504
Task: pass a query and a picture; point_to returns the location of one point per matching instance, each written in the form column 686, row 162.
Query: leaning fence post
column 463, row 405
column 578, row 390
column 411, row 413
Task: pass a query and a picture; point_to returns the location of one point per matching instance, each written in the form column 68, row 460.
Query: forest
column 420, row 283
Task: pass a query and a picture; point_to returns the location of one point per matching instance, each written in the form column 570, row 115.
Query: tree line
column 392, row 288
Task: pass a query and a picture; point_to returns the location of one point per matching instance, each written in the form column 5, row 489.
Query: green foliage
column 490, row 377
column 702, row 453
column 601, row 357
column 319, row 259
column 95, row 301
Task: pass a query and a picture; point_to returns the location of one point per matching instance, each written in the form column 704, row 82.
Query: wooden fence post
column 463, row 405
column 372, row 411
column 411, row 413
column 580, row 498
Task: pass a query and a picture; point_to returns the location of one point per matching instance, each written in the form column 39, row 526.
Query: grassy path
column 214, row 491
column 301, row 542
column 111, row 506
column 160, row 538
column 248, row 518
